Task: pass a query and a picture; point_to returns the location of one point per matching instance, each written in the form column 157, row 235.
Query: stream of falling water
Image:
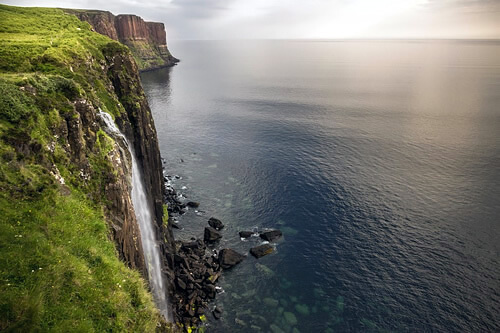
column 144, row 217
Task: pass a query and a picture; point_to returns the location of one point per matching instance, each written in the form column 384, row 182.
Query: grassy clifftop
column 59, row 268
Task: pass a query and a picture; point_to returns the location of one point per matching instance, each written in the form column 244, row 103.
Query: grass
column 59, row 270
column 145, row 54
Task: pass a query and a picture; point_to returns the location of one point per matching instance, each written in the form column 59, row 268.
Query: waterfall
column 144, row 215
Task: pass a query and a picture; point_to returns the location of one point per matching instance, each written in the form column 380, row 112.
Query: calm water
column 380, row 161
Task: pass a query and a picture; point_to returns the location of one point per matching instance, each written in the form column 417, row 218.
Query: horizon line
column 343, row 39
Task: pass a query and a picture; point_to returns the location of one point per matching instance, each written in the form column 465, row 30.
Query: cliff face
column 66, row 211
column 138, row 125
column 146, row 40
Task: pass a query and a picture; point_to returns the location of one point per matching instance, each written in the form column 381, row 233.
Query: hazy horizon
column 316, row 19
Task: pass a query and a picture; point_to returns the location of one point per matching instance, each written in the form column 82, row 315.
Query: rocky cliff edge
column 146, row 40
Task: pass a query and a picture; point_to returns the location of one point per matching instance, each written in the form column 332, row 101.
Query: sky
column 305, row 19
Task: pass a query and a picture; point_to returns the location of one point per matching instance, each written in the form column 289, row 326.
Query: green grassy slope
column 59, row 270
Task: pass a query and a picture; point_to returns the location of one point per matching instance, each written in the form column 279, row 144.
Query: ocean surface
column 379, row 161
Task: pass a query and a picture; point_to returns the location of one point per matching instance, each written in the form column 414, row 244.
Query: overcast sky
column 259, row 19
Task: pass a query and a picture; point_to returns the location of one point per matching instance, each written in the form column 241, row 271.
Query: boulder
column 215, row 223
column 245, row 234
column 211, row 235
column 217, row 312
column 228, row 258
column 261, row 250
column 210, row 290
column 270, row 235
column 181, row 284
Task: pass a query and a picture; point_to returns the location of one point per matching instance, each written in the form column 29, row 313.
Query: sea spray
column 143, row 215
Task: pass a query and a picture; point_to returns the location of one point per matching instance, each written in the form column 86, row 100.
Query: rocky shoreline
column 199, row 263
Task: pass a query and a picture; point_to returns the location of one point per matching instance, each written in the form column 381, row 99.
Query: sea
column 378, row 160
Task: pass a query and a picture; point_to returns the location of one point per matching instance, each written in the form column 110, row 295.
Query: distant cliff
column 146, row 40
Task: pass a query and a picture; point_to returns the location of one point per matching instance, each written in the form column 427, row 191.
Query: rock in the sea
column 193, row 204
column 217, row 312
column 210, row 290
column 215, row 223
column 270, row 235
column 245, row 234
column 261, row 250
column 228, row 258
column 211, row 235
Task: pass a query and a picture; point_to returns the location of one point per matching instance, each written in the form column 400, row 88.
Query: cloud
column 241, row 19
column 464, row 6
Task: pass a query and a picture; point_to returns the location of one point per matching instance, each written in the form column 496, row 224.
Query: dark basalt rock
column 194, row 267
column 228, row 258
column 217, row 313
column 270, row 235
column 215, row 223
column 261, row 250
column 211, row 235
column 245, row 234
column 192, row 245
column 209, row 289
column 181, row 284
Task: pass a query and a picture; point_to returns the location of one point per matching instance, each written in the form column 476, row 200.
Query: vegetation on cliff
column 146, row 40
column 59, row 268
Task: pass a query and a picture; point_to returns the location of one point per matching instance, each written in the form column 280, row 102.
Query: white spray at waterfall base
column 144, row 218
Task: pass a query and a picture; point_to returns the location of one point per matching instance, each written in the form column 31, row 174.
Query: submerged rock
column 264, row 270
column 261, row 250
column 302, row 309
column 255, row 328
column 228, row 258
column 270, row 302
column 275, row 329
column 290, row 318
column 240, row 322
column 217, row 313
column 288, row 231
column 211, row 235
column 270, row 235
column 245, row 234
column 215, row 223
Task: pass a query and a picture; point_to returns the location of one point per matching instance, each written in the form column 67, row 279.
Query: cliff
column 146, row 40
column 71, row 254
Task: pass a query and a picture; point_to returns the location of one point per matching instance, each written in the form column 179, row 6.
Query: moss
column 165, row 215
